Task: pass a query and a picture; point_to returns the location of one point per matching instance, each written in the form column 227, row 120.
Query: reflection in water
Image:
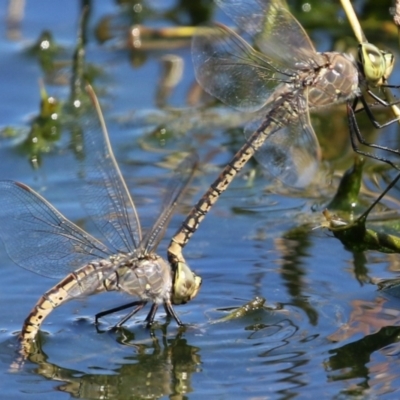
column 367, row 317
column 361, row 270
column 152, row 372
column 15, row 15
column 261, row 358
column 353, row 363
column 282, row 357
column 293, row 247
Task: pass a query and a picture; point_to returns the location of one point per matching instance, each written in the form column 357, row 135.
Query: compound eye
column 373, row 63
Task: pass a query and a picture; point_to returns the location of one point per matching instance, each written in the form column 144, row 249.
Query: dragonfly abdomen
column 271, row 124
column 87, row 279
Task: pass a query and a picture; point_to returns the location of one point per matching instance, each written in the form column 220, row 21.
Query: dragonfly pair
column 281, row 83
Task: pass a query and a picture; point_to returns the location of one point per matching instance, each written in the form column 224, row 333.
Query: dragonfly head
column 376, row 64
column 186, row 284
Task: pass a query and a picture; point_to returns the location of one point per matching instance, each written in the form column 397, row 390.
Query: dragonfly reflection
column 39, row 238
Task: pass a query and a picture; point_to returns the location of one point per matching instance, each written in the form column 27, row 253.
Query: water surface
column 324, row 331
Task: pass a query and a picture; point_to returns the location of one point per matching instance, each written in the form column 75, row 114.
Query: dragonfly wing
column 104, row 194
column 292, row 153
column 90, row 280
column 175, row 188
column 39, row 238
column 275, row 30
column 228, row 68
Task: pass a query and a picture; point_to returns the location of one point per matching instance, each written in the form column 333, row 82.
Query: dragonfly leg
column 171, row 312
column 140, row 305
column 367, row 109
column 379, row 198
column 150, row 316
column 114, row 310
column 356, row 137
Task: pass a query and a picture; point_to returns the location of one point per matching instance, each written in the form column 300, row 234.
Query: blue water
column 322, row 332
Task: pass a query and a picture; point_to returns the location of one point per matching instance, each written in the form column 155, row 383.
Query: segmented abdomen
column 86, row 280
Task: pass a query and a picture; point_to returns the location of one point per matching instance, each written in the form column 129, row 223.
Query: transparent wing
column 175, row 188
column 228, row 68
column 292, row 153
column 39, row 238
column 274, row 29
column 90, row 280
column 104, row 194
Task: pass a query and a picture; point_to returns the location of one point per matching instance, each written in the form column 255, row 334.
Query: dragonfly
column 377, row 66
column 40, row 239
column 281, row 82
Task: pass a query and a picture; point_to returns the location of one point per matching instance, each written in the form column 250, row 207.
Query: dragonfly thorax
column 120, row 258
column 148, row 278
column 336, row 82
